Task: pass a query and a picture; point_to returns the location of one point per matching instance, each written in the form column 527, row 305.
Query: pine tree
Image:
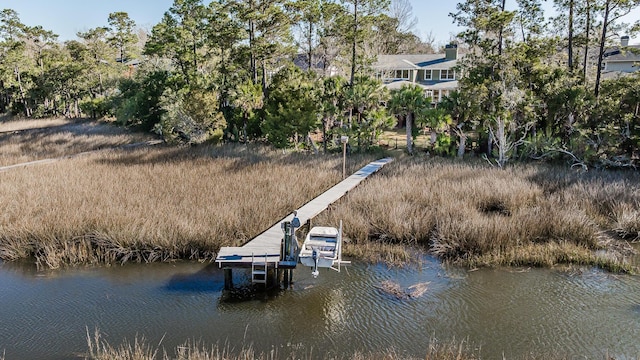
column 121, row 33
column 357, row 24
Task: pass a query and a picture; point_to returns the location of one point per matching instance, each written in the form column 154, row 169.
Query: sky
column 67, row 17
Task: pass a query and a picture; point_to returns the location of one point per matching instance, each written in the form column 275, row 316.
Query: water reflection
column 575, row 312
column 208, row 279
column 335, row 313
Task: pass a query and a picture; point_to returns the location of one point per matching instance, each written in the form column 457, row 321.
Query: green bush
column 191, row 116
column 96, row 107
column 138, row 103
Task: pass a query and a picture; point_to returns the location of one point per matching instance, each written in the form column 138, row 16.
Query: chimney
column 624, row 41
column 451, row 51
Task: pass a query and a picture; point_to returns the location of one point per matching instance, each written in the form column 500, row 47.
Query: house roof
column 408, row 61
column 629, row 53
column 443, row 65
column 133, row 62
column 301, row 61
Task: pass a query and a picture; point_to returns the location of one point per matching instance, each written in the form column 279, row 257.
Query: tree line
column 279, row 70
column 535, row 88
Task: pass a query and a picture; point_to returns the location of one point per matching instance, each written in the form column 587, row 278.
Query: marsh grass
column 10, row 124
column 454, row 349
column 141, row 349
column 154, row 204
column 626, row 221
column 57, row 138
column 471, row 214
column 99, row 349
column 381, row 252
column 144, row 205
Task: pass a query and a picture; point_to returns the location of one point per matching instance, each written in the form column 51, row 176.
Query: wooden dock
column 267, row 246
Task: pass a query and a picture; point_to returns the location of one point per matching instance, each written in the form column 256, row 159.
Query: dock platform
column 267, row 245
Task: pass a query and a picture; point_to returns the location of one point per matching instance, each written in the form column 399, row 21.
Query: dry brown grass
column 454, row 349
column 99, row 349
column 154, row 204
column 383, row 252
column 475, row 215
column 57, row 138
column 8, row 124
column 140, row 349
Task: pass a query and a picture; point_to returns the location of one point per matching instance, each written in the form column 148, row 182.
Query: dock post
column 288, row 239
column 285, row 283
column 228, row 279
column 287, row 278
column 274, row 277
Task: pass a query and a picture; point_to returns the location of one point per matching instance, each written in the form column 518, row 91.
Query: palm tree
column 331, row 94
column 379, row 120
column 407, row 102
column 365, row 95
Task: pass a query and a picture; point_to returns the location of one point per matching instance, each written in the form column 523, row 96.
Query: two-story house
column 621, row 61
column 435, row 73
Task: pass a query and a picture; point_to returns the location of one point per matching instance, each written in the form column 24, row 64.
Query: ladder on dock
column 259, row 267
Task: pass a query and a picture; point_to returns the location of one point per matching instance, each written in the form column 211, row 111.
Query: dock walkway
column 267, row 245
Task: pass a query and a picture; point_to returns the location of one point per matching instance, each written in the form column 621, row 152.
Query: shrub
column 191, row 116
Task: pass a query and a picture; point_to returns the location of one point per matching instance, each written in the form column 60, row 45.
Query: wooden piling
column 228, row 279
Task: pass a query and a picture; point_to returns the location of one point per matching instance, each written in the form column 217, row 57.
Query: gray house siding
column 622, row 66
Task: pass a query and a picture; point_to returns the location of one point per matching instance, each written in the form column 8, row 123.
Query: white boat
column 322, row 248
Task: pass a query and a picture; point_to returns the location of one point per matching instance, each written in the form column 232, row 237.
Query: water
column 578, row 313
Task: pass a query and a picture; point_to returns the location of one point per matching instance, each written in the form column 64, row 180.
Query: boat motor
column 314, row 256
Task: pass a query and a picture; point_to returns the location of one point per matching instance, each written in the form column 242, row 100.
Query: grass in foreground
column 474, row 215
column 140, row 349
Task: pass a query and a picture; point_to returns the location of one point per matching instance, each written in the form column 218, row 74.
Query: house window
column 428, row 93
column 428, row 75
column 402, row 74
column 447, row 75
